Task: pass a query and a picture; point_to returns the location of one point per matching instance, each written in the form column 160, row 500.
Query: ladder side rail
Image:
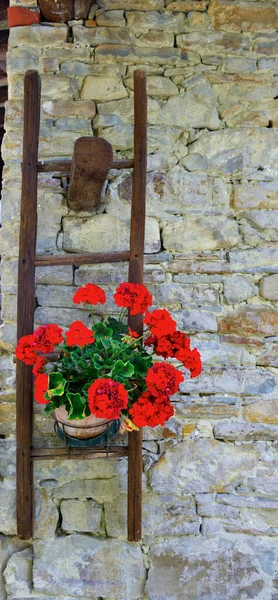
column 136, row 273
column 26, row 302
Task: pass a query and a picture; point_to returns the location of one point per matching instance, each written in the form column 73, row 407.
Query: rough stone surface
column 269, row 287
column 237, row 289
column 81, row 516
column 249, row 321
column 218, row 569
column 200, row 233
column 183, row 469
column 100, row 88
column 124, row 580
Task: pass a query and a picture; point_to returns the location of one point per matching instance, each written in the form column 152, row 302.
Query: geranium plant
column 106, row 369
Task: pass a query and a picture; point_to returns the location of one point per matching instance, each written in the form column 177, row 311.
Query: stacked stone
column 210, row 512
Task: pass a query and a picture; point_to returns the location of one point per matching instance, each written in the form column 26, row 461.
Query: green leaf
column 101, row 330
column 50, row 407
column 77, row 406
column 56, row 386
column 140, row 365
column 122, row 371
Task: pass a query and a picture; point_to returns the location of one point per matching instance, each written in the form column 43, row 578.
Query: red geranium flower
column 192, row 361
column 170, row 346
column 150, row 411
column 47, row 337
column 89, row 294
column 134, row 296
column 160, row 322
column 106, row 398
column 25, row 350
column 163, row 379
column 39, row 364
column 40, row 387
column 79, row 335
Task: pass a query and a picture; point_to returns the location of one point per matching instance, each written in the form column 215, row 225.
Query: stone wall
column 210, row 477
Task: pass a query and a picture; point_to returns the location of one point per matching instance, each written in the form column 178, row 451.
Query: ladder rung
column 65, row 165
column 76, row 453
column 46, row 260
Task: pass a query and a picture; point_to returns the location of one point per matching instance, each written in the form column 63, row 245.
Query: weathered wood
column 136, row 268
column 45, row 260
column 26, row 300
column 92, row 159
column 64, row 166
column 78, row 453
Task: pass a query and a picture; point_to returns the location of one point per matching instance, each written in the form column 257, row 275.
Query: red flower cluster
column 160, row 322
column 40, row 387
column 177, row 345
column 39, row 364
column 163, row 379
column 79, row 335
column 47, row 337
column 134, row 296
column 151, row 411
column 43, row 340
column 89, row 294
column 25, row 350
column 106, row 398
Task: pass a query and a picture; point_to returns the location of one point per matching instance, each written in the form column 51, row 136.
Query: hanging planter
column 62, row 11
column 106, row 372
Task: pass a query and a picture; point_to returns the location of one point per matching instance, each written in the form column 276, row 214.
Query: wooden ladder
column 28, row 261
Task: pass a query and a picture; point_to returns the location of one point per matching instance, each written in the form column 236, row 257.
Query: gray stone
column 61, row 316
column 200, row 233
column 269, row 287
column 259, row 260
column 46, row 515
column 238, row 288
column 157, row 56
column 268, row 63
column 8, row 546
column 158, row 87
column 145, row 5
column 162, row 515
column 196, row 320
column 259, row 194
column 215, row 568
column 38, row 36
column 81, row 516
column 167, row 294
column 241, row 431
column 99, row 567
column 201, row 466
column 94, row 36
column 257, row 225
column 55, row 275
column 207, row 407
column 195, row 108
column 8, row 506
column 103, row 232
column 239, row 150
column 66, row 108
column 155, row 39
column 141, row 21
column 239, row 64
column 111, row 18
column 209, row 43
column 237, row 380
column 18, row 573
column 102, row 88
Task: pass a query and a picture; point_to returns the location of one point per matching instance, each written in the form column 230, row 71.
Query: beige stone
column 38, row 36
column 155, row 39
column 269, row 287
column 84, row 515
column 187, row 5
column 200, row 233
column 251, row 321
column 111, row 18
column 134, row 55
column 137, row 20
column 262, row 411
column 93, row 36
column 113, row 569
column 105, row 233
column 18, row 574
column 259, row 194
column 245, row 16
column 158, row 87
column 144, row 5
column 211, row 43
column 102, row 88
column 197, row 20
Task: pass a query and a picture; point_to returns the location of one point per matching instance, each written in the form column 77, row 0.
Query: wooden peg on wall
column 92, row 159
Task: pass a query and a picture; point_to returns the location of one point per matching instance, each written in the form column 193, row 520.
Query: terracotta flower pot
column 62, row 11
column 84, row 429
